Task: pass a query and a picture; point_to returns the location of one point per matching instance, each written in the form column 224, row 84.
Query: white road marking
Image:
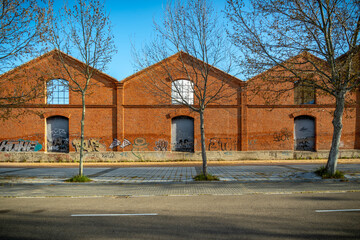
column 30, row 197
column 114, row 215
column 338, row 210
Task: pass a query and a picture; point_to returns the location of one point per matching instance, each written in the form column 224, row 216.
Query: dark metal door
column 304, row 133
column 182, row 134
column 57, row 134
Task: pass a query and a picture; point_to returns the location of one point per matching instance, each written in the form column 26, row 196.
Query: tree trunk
column 203, row 147
column 337, row 123
column 81, row 166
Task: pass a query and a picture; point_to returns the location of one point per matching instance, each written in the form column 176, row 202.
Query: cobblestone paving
column 174, row 174
column 147, row 175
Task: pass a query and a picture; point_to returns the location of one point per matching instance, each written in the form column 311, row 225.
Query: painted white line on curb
column 113, row 215
column 338, row 210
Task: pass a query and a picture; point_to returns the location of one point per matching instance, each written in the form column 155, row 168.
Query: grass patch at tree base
column 324, row 174
column 79, row 178
column 208, row 177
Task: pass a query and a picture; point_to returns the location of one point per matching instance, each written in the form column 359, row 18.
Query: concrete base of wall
column 38, row 157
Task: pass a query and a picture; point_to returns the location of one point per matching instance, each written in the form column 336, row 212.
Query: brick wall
column 101, row 101
column 242, row 121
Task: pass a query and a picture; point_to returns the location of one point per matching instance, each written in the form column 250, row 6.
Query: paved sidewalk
column 173, row 181
column 240, row 174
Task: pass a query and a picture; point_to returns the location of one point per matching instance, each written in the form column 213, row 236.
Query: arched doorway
column 57, row 134
column 304, row 133
column 182, row 134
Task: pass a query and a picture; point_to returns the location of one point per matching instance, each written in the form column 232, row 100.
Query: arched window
column 57, row 91
column 182, row 92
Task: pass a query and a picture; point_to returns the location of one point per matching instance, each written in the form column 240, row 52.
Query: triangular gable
column 175, row 57
column 32, row 62
column 291, row 59
column 356, row 52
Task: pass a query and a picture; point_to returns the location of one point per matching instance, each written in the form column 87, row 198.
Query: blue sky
column 132, row 21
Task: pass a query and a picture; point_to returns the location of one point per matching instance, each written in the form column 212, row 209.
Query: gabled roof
column 291, row 59
column 55, row 52
column 175, row 57
column 356, row 50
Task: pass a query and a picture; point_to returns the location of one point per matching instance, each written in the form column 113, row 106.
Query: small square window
column 303, row 94
column 57, row 92
column 182, row 92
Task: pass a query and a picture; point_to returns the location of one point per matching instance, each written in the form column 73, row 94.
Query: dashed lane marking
column 338, row 210
column 114, row 215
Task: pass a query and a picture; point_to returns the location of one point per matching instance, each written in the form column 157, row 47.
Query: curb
column 185, row 194
column 174, row 164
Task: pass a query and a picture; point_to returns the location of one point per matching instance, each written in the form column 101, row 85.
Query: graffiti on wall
column 140, row 144
column 183, row 145
column 222, row 144
column 302, row 144
column 304, row 133
column 125, row 143
column 90, row 145
column 305, row 144
column 59, row 144
column 58, row 132
column 20, row 146
column 161, row 145
column 252, row 142
column 58, row 140
column 282, row 136
column 108, row 155
column 117, row 142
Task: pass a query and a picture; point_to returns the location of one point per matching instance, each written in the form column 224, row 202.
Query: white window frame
column 57, row 91
column 182, row 92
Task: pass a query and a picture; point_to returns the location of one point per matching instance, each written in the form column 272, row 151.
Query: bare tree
column 191, row 33
column 23, row 29
column 269, row 33
column 83, row 31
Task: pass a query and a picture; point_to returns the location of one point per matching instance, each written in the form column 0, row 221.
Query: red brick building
column 278, row 120
column 64, row 106
column 124, row 116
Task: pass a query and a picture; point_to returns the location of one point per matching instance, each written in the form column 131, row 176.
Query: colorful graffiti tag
column 20, row 146
column 90, row 145
column 117, row 142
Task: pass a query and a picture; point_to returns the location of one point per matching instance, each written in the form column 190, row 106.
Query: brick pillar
column 243, row 119
column 119, row 114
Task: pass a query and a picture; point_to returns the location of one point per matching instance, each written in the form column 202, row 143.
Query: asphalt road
column 250, row 216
